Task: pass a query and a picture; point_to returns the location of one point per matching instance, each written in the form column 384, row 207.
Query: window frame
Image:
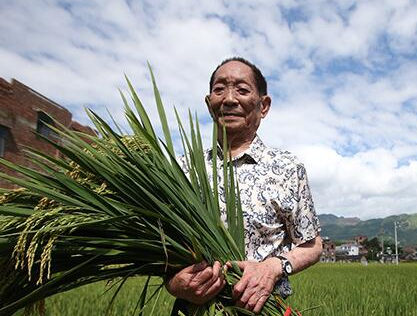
column 4, row 133
column 42, row 123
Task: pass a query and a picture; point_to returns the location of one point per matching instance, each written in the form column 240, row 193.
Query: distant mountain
column 346, row 228
column 330, row 219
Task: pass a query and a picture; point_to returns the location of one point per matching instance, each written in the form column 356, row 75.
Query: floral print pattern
column 277, row 205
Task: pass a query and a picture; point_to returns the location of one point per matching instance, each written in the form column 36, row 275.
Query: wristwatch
column 286, row 265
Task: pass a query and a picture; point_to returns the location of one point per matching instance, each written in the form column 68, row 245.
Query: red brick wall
column 19, row 107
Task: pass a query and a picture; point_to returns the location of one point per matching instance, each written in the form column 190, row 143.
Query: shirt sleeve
column 304, row 224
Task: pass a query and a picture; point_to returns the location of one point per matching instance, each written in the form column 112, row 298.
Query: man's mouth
column 230, row 114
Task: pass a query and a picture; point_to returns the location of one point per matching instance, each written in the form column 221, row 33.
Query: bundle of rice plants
column 116, row 207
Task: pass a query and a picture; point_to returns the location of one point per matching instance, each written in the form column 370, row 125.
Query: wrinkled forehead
column 235, row 70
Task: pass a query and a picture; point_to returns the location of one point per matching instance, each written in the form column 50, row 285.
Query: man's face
column 235, row 100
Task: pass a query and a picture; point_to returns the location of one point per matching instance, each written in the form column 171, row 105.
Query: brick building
column 328, row 253
column 22, row 112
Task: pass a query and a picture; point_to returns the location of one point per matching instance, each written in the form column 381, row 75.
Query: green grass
column 356, row 290
column 94, row 299
column 337, row 289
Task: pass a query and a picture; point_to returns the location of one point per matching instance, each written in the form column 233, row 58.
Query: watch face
column 288, row 268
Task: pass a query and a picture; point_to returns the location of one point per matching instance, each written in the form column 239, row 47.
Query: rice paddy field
column 324, row 290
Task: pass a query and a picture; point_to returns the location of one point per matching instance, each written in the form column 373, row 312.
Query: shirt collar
column 254, row 152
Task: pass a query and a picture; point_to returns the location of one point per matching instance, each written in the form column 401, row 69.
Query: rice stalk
column 116, row 207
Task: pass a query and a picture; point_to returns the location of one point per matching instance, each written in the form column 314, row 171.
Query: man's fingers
column 254, row 302
column 215, row 288
column 216, row 279
column 205, row 276
column 197, row 283
column 217, row 269
column 241, row 264
column 205, row 279
column 217, row 272
column 260, row 303
column 239, row 288
column 245, row 298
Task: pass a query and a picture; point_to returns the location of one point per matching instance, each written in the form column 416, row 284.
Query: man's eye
column 243, row 91
column 218, row 89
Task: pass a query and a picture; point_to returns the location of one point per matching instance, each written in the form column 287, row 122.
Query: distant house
column 360, row 240
column 411, row 256
column 409, row 253
column 24, row 111
column 328, row 253
column 348, row 251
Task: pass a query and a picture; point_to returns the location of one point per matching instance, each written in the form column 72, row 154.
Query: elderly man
column 281, row 225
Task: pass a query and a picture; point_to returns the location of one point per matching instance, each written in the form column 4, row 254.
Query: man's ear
column 265, row 105
column 207, row 99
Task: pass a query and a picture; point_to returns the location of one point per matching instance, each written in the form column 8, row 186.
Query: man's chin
column 232, row 127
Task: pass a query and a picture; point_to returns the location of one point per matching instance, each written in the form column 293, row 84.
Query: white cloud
column 367, row 185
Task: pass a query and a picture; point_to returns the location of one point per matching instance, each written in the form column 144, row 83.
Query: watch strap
column 284, row 264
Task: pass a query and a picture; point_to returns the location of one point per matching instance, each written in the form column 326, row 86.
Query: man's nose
column 230, row 97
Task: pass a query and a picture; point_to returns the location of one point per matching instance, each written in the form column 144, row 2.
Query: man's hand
column 257, row 283
column 197, row 283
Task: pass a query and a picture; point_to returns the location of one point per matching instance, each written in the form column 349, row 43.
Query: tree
column 374, row 247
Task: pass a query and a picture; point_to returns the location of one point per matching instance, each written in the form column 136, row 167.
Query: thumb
column 236, row 265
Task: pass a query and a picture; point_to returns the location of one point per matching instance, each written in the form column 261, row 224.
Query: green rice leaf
column 162, row 115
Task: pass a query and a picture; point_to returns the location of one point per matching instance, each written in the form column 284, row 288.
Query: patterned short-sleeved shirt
column 277, row 206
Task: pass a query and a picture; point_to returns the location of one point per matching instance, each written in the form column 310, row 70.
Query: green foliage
column 374, row 247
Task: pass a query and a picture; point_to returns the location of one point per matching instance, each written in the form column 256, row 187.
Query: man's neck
column 238, row 145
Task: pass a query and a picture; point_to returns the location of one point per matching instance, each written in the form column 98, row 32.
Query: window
column 4, row 131
column 42, row 127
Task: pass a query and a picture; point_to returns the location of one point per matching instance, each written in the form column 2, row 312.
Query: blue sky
column 342, row 76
